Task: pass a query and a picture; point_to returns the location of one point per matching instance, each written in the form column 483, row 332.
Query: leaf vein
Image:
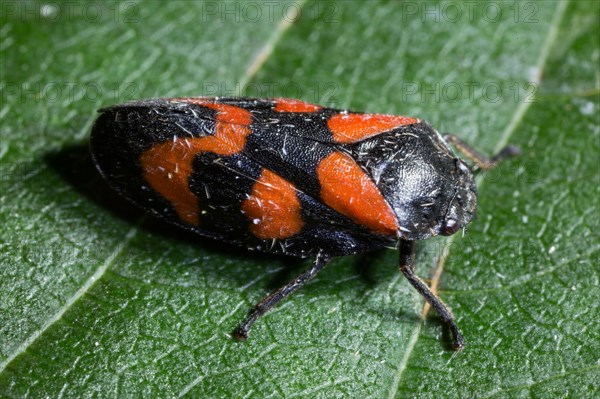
column 72, row 300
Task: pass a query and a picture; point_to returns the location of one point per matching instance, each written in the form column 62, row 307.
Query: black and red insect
column 287, row 177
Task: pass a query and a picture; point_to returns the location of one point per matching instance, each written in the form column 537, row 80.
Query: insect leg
column 241, row 332
column 407, row 259
column 482, row 161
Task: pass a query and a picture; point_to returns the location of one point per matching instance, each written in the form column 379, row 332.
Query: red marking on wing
column 167, row 166
column 292, row 105
column 273, row 208
column 350, row 128
column 346, row 188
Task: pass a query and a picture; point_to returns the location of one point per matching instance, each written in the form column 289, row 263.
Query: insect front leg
column 407, row 259
column 482, row 161
column 241, row 332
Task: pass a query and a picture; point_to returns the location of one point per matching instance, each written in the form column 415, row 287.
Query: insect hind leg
column 267, row 303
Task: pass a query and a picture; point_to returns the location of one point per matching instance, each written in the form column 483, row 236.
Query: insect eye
column 450, row 227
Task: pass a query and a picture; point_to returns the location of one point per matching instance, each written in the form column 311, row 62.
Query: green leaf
column 97, row 300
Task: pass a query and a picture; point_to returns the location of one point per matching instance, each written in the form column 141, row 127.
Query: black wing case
column 221, row 183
